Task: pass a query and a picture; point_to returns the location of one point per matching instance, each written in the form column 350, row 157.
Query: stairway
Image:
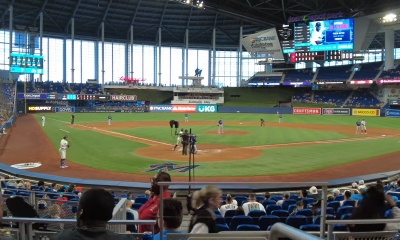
column 315, row 76
column 283, row 78
column 35, row 89
column 347, row 99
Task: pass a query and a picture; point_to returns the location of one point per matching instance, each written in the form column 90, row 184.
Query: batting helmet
column 65, row 136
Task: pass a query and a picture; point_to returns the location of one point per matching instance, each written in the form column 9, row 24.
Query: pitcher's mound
column 230, row 132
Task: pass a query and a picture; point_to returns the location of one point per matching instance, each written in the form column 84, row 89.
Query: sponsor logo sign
column 366, row 112
column 265, row 41
column 160, row 108
column 206, row 108
column 39, row 108
column 389, row 81
column 184, row 108
column 323, row 16
column 31, row 96
column 392, row 113
column 263, row 84
column 322, row 83
column 336, row 111
column 123, row 97
column 296, row 83
column 65, row 109
column 361, row 82
column 312, row 111
column 170, row 167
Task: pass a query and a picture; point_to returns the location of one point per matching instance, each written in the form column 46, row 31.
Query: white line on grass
column 64, row 130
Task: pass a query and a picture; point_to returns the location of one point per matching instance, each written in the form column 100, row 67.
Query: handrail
column 48, row 220
column 323, row 197
column 330, row 223
column 283, row 230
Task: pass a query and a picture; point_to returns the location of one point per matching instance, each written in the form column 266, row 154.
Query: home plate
column 240, row 123
column 383, row 135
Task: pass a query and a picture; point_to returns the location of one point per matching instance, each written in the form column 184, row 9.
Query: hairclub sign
column 123, row 97
column 323, row 16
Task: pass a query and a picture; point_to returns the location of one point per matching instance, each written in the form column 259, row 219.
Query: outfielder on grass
column 63, row 151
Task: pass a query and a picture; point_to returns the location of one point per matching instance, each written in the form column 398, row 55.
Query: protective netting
column 56, row 209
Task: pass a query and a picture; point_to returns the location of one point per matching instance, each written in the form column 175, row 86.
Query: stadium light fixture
column 390, row 19
column 193, row 3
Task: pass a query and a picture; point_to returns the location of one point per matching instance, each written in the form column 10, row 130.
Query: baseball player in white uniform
column 63, row 151
column 179, row 139
column 43, row 120
column 109, row 119
column 363, row 127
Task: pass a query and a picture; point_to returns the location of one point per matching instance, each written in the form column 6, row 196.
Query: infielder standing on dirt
column 280, row 119
column 186, row 117
column 63, row 151
column 43, row 120
column 109, row 119
column 72, row 119
column 358, row 126
column 363, row 127
column 220, row 126
column 179, row 140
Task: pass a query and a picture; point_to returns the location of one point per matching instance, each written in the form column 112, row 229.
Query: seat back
column 265, row 203
column 294, row 197
column 268, row 220
column 130, row 216
column 136, row 206
column 239, row 220
column 141, row 200
column 296, row 221
column 388, row 214
column 307, row 201
column 217, row 212
column 260, row 199
column 286, row 203
column 335, row 205
column 282, row 214
column 276, row 197
column 338, row 198
column 255, row 215
column 240, row 199
column 272, row 207
column 329, row 210
column 346, row 216
column 229, row 215
column 310, row 227
column 222, row 227
column 220, row 219
column 343, row 210
column 292, row 207
column 243, row 202
column 349, row 203
column 317, row 220
column 248, row 227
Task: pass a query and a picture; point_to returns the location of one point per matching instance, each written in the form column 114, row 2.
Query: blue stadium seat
column 296, row 221
column 292, row 208
column 222, row 227
column 286, row 203
column 8, row 192
column 307, row 201
column 69, row 195
column 272, row 207
column 141, row 200
column 243, row 202
column 398, row 204
column 141, row 196
column 329, row 210
column 397, row 194
column 265, row 203
column 229, row 215
column 240, row 199
column 11, row 187
column 48, row 189
column 338, row 198
column 343, row 210
column 248, row 227
column 239, row 220
column 310, row 227
column 307, row 213
column 276, row 197
column 260, row 199
column 294, row 197
column 335, row 205
column 317, row 220
column 282, row 214
column 346, row 216
column 310, row 204
column 265, row 221
column 136, row 206
column 23, row 193
column 220, row 219
column 397, row 190
column 130, row 216
column 255, row 215
column 340, row 227
column 349, row 203
column 216, row 211
column 388, row 214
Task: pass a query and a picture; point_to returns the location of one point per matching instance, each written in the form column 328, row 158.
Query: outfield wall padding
column 255, row 110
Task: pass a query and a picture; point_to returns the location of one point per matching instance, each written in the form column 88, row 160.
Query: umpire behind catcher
column 185, row 142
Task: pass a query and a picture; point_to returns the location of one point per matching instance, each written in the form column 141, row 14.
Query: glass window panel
column 88, row 61
column 56, row 59
column 118, row 61
column 165, row 66
column 148, row 63
column 176, row 66
column 138, row 61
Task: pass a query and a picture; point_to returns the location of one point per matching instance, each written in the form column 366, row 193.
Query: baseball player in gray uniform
column 179, row 139
column 63, row 151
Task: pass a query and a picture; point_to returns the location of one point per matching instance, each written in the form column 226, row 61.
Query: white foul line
column 64, row 130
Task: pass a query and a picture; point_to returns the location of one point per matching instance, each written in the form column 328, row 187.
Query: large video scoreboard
column 317, row 40
column 23, row 63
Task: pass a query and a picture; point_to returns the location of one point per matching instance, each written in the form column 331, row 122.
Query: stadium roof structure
column 174, row 17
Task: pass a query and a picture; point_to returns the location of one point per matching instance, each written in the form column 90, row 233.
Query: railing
column 30, row 221
column 324, row 186
column 346, row 235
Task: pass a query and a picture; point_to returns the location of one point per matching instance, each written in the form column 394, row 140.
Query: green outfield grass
column 97, row 150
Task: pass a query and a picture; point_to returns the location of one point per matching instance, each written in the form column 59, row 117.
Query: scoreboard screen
column 394, row 102
column 23, row 63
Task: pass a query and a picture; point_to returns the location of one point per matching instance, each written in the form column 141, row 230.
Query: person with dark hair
column 172, row 219
column 228, row 206
column 252, row 204
column 371, row 208
column 303, row 194
column 267, row 196
column 185, row 142
column 239, row 211
column 71, row 188
column 149, row 210
column 347, row 196
column 379, row 182
column 41, row 185
column 95, row 209
column 54, row 186
column 299, row 206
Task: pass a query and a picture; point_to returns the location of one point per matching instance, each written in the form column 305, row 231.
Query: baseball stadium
column 190, row 119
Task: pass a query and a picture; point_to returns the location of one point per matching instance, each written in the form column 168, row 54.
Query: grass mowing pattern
column 110, row 153
column 258, row 136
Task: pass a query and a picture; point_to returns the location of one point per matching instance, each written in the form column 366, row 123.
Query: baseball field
column 302, row 148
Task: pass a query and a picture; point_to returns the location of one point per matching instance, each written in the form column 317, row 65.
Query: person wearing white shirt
column 317, row 37
column 286, row 196
column 363, row 127
column 228, row 206
column 43, row 120
column 63, row 151
column 252, row 204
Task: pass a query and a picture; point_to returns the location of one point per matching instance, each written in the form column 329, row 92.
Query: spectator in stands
column 379, row 182
column 28, row 185
column 356, row 195
column 19, row 184
column 129, row 209
column 361, row 184
column 147, row 193
column 91, row 222
column 239, row 211
column 347, row 196
column 286, row 196
column 172, row 219
column 267, row 196
column 299, row 206
column 354, row 185
column 41, row 185
column 317, row 200
column 228, row 206
column 335, row 192
column 252, row 204
column 78, row 189
column 149, row 210
column 371, row 208
column 204, row 202
column 303, row 194
column 54, row 186
column 71, row 188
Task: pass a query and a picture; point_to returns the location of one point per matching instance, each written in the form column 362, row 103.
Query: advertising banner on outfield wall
column 336, row 111
column 392, row 113
column 123, row 97
column 160, row 108
column 65, row 109
column 179, row 108
column 183, row 108
column 206, row 108
column 39, row 108
column 313, row 111
column 366, row 112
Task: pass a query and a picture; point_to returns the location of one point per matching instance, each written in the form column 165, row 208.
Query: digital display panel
column 334, row 34
column 23, row 63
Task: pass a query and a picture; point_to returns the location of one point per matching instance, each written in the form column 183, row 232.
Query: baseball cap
column 362, row 190
column 78, row 189
column 354, row 185
column 335, row 191
column 361, row 182
column 313, row 190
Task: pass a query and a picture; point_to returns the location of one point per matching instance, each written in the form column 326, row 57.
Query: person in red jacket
column 150, row 209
